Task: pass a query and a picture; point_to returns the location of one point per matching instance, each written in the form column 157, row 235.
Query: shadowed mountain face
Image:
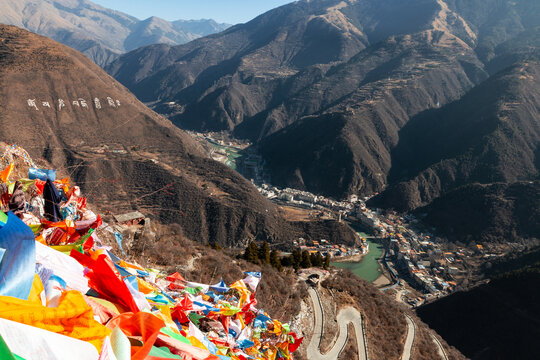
column 488, row 213
column 491, row 135
column 99, row 33
column 325, row 88
column 498, row 320
column 62, row 108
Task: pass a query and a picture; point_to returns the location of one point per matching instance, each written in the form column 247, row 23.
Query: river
column 368, row 268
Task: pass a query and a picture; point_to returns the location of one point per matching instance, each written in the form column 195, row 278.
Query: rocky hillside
column 497, row 212
column 284, row 295
column 331, row 83
column 384, row 321
column 68, row 112
column 490, row 135
column 99, row 33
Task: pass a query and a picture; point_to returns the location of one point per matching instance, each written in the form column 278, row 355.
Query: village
column 423, row 268
column 420, row 266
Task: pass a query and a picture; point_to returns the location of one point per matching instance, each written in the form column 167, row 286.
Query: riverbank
column 367, row 267
column 349, row 259
column 381, row 281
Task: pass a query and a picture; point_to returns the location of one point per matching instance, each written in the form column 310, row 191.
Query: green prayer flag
column 163, row 353
column 193, row 291
column 194, row 317
column 174, row 335
column 5, row 353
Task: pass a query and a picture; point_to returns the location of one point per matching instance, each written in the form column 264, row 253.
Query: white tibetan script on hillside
column 79, row 103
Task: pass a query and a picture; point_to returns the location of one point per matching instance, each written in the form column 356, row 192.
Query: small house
column 130, row 219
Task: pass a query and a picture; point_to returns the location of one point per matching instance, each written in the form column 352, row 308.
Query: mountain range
column 411, row 100
column 70, row 115
column 99, row 33
column 490, row 135
column 67, row 112
column 431, row 105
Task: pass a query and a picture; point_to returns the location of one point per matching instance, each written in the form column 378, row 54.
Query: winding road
column 442, row 353
column 411, row 334
column 345, row 316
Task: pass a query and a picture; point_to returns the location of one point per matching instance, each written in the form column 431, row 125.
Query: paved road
column 442, row 353
column 345, row 316
column 411, row 334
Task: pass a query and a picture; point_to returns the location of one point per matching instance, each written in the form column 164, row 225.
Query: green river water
column 232, row 154
column 368, row 268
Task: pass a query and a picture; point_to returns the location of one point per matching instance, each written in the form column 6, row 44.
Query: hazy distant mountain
column 101, row 34
column 325, row 86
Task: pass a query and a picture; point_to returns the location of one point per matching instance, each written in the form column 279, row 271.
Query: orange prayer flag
column 65, row 183
column 139, row 324
column 130, row 265
column 145, row 287
column 40, row 239
column 73, row 317
column 4, row 175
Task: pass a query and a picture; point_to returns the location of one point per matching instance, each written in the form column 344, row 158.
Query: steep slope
column 65, row 110
column 378, row 91
column 359, row 69
column 497, row 22
column 523, row 47
column 498, row 320
column 384, row 320
column 497, row 212
column 101, row 34
column 491, row 135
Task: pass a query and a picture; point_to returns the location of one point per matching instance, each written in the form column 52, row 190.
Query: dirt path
column 345, row 316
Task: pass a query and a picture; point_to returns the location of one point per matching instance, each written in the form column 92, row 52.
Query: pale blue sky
column 228, row 11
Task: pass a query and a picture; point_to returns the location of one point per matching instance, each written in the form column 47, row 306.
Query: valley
column 405, row 256
column 370, row 169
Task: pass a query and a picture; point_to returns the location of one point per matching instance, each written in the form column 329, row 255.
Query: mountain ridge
column 344, row 97
column 497, row 213
column 490, row 135
column 101, row 34
column 372, row 65
column 124, row 156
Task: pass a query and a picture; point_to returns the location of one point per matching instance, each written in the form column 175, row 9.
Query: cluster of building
column 333, row 250
column 424, row 262
column 415, row 257
column 307, row 200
